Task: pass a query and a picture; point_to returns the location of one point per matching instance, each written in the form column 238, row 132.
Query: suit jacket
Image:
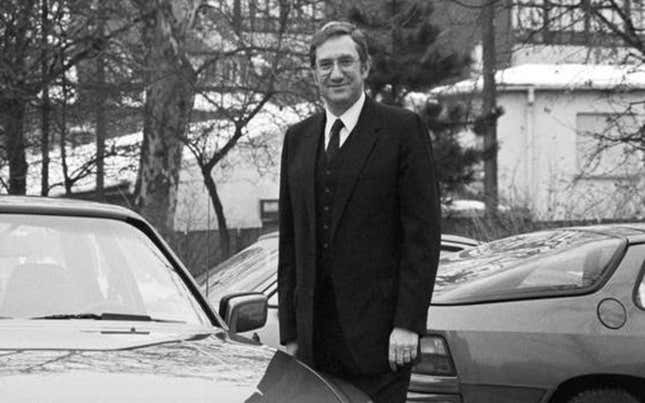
column 385, row 233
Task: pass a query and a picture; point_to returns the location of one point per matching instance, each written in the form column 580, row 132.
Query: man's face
column 339, row 73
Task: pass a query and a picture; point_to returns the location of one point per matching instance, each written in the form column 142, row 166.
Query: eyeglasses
column 344, row 63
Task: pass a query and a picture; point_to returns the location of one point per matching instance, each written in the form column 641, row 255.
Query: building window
column 529, row 15
column 269, row 212
column 573, row 21
column 566, row 16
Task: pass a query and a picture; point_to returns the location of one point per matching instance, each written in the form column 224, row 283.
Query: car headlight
column 434, row 358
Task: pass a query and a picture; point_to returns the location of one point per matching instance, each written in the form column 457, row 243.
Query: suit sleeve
column 286, row 255
column 420, row 217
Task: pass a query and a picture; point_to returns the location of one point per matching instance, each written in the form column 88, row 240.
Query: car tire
column 604, row 396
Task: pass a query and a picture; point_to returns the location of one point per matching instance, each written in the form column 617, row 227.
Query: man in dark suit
column 359, row 227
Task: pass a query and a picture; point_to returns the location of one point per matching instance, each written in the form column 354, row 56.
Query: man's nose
column 335, row 72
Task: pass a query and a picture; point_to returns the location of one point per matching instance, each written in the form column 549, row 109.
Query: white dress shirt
column 349, row 119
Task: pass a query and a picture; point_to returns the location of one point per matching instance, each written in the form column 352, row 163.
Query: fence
column 200, row 250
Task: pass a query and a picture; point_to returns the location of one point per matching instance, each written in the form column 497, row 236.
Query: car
column 255, row 269
column 554, row 316
column 94, row 306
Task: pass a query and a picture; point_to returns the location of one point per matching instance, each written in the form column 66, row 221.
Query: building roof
column 555, row 77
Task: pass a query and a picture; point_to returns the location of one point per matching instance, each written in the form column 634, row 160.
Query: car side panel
column 540, row 343
column 500, row 394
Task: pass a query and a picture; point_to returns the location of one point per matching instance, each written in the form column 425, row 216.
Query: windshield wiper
column 107, row 316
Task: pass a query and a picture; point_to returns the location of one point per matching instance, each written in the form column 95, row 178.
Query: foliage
column 406, row 58
column 455, row 162
column 402, row 44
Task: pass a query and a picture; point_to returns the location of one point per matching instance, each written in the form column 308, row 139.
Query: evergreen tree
column 406, row 58
column 402, row 43
column 455, row 162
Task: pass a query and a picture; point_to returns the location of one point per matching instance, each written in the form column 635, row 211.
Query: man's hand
column 291, row 347
column 403, row 347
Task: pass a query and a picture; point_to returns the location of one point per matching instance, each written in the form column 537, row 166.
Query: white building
column 549, row 158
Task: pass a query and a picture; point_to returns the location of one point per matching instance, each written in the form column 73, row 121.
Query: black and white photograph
column 312, row 201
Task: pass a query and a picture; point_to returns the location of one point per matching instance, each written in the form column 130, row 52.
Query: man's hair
column 339, row 28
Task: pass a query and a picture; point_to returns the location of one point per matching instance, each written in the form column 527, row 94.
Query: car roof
column 61, row 206
column 634, row 232
column 457, row 239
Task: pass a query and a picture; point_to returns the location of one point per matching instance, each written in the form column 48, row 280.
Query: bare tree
column 46, row 105
column 237, row 80
column 170, row 91
column 489, row 118
column 100, row 106
column 611, row 24
column 42, row 39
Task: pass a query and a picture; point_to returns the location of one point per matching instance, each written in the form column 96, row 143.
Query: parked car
column 96, row 307
column 256, row 269
column 554, row 316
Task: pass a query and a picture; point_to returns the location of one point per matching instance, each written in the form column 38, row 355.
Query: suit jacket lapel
column 311, row 140
column 356, row 149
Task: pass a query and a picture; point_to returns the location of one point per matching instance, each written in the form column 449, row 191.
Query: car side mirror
column 244, row 311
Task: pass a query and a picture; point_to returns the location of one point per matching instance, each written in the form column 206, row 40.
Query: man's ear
column 365, row 67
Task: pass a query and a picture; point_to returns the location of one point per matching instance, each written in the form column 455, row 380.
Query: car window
column 526, row 265
column 61, row 265
column 245, row 271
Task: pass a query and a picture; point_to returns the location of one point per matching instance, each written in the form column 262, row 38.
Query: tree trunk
column 14, row 98
column 222, row 228
column 170, row 92
column 101, row 127
column 14, row 111
column 489, row 107
column 44, row 141
column 67, row 183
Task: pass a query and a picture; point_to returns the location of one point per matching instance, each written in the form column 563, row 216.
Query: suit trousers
column 333, row 356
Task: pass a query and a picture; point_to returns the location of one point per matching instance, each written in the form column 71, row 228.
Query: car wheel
column 603, row 396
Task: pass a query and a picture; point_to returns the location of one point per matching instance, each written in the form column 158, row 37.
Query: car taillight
column 435, row 357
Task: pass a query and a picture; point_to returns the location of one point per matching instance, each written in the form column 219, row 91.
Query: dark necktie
column 334, row 139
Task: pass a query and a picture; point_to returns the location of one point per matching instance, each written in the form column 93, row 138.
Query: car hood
column 80, row 361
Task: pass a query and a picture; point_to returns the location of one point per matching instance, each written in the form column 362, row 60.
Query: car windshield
column 88, row 268
column 529, row 265
column 243, row 272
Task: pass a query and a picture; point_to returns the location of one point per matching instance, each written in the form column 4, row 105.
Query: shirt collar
column 349, row 117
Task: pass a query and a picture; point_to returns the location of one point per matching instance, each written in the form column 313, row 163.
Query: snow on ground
column 122, row 152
